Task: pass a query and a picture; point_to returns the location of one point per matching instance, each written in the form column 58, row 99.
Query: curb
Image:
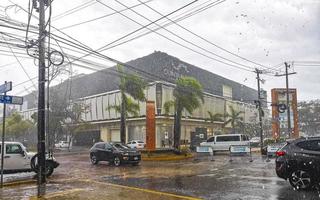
column 169, row 158
column 16, row 183
column 57, row 154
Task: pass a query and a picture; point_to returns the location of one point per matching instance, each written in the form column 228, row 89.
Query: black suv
column 115, row 153
column 299, row 161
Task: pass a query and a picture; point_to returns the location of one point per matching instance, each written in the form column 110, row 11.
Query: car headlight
column 125, row 154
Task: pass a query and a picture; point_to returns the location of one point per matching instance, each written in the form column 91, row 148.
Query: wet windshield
column 160, row 99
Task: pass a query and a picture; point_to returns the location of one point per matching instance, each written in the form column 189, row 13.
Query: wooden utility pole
column 258, row 72
column 288, row 100
column 41, row 101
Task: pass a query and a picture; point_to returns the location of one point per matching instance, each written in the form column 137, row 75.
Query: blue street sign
column 6, row 87
column 11, row 100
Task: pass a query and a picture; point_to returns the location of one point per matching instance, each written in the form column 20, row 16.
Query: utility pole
column 288, row 103
column 41, row 101
column 287, row 66
column 260, row 109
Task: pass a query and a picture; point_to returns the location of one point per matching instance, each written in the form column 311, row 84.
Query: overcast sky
column 266, row 32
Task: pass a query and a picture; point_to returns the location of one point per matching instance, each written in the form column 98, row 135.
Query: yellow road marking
column 57, row 194
column 15, row 183
column 144, row 190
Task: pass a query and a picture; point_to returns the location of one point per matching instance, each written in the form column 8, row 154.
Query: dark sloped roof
column 157, row 66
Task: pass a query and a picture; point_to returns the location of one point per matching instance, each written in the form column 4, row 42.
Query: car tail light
column 280, row 153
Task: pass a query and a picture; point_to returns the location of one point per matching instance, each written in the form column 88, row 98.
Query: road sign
column 11, row 100
column 6, row 87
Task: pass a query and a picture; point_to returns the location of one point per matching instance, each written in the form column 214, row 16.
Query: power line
column 204, row 39
column 101, row 17
column 113, row 60
column 73, row 10
column 147, row 25
column 22, row 66
column 187, row 41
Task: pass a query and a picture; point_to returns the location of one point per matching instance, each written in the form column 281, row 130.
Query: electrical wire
column 204, row 39
column 73, row 10
column 183, row 39
column 22, row 67
column 101, row 17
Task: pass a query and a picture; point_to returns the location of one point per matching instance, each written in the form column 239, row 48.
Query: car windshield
column 135, row 98
column 121, row 146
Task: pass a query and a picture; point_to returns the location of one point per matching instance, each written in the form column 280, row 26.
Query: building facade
column 99, row 91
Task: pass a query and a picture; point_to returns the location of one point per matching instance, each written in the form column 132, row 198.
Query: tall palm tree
column 217, row 117
column 134, row 86
column 234, row 118
column 188, row 96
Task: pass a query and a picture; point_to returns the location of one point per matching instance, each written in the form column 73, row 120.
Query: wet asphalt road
column 219, row 179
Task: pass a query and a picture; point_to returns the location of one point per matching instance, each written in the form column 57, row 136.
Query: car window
column 133, row 142
column 210, row 139
column 313, row 145
column 108, row 146
column 100, row 146
column 13, row 149
column 121, row 146
column 140, row 142
column 228, row 138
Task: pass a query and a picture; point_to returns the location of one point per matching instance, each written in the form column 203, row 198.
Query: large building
column 99, row 90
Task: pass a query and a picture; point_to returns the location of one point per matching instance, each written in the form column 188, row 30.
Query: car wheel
column 300, row 179
column 49, row 169
column 94, row 159
column 116, row 161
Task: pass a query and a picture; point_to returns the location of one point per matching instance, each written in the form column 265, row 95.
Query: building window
column 227, row 91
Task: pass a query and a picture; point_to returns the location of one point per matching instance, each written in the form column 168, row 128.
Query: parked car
column 138, row 144
column 299, row 161
column 18, row 159
column 223, row 142
column 115, row 153
column 255, row 141
column 62, row 144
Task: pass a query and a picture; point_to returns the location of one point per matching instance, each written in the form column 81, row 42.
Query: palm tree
column 132, row 108
column 188, row 96
column 217, row 117
column 234, row 118
column 134, row 86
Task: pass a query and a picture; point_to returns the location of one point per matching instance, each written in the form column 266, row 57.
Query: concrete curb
column 169, row 158
column 16, row 183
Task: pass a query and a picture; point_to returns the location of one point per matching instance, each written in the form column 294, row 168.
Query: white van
column 223, row 142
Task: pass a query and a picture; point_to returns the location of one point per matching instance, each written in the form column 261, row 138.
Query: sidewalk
column 86, row 189
column 73, row 150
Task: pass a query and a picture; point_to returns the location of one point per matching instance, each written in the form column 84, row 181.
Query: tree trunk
column 177, row 129
column 123, row 119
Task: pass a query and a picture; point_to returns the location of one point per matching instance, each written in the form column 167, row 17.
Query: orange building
column 280, row 120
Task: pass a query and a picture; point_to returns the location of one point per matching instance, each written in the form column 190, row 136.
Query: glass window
column 228, row 138
column 13, row 149
column 244, row 138
column 100, row 146
column 210, row 139
column 108, row 146
column 313, row 145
